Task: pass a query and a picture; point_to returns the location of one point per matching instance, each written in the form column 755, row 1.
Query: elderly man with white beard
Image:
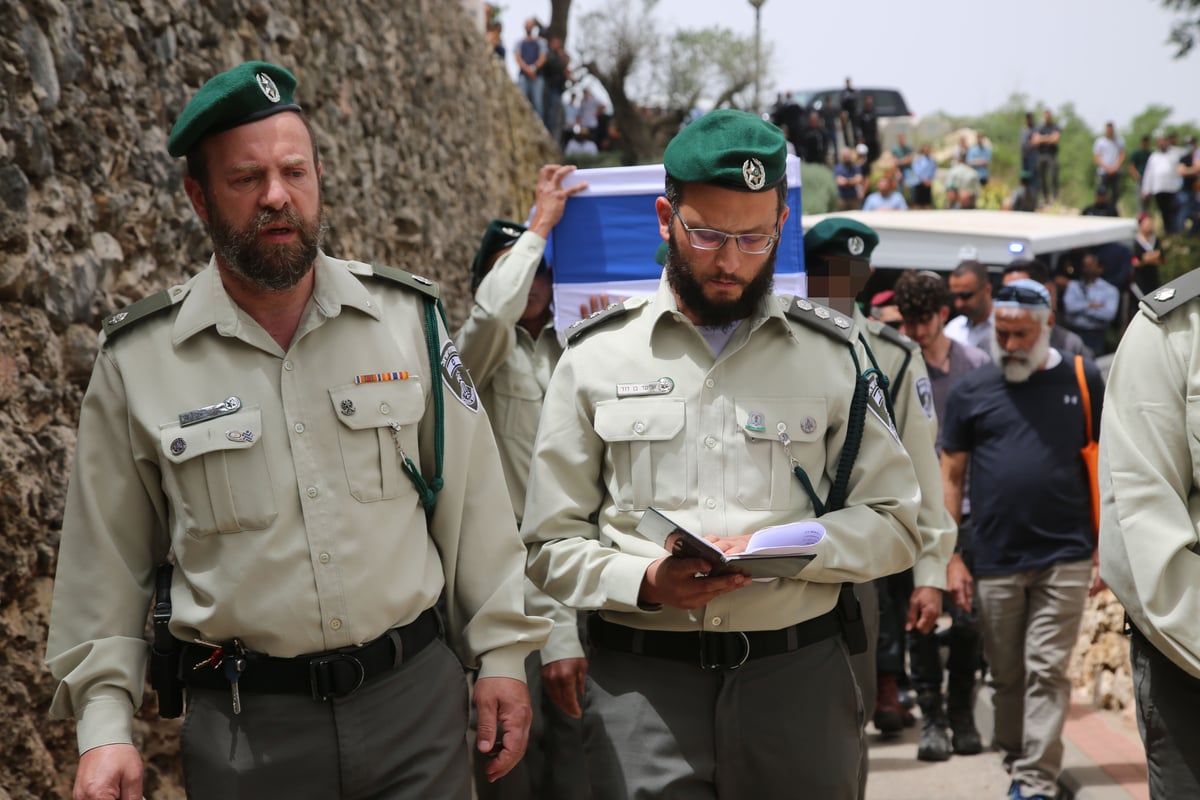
column 1020, row 423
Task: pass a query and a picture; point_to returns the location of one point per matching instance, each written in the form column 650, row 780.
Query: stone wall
column 423, row 139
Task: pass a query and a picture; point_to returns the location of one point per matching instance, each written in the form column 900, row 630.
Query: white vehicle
column 940, row 240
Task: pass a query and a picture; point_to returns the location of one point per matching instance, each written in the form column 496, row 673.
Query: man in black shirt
column 814, row 141
column 1045, row 139
column 1020, row 423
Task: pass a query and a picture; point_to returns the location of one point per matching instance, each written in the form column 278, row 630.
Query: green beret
column 840, row 236
column 730, row 149
column 501, row 234
column 244, row 94
column 660, row 254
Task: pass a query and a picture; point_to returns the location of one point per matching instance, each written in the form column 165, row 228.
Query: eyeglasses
column 751, row 244
column 1021, row 296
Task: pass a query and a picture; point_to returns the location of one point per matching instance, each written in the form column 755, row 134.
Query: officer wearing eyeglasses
column 729, row 409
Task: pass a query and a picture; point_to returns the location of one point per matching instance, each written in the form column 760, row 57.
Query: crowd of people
column 320, row 493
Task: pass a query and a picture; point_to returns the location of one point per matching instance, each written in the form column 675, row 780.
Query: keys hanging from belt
column 231, row 660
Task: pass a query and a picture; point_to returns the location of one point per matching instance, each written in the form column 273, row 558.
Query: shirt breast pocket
column 378, row 421
column 646, row 452
column 220, row 473
column 764, row 470
column 516, row 405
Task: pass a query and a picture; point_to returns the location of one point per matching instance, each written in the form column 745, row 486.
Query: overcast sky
column 1109, row 57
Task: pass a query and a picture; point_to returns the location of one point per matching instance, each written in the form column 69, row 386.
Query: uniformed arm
column 487, row 337
column 566, row 558
column 114, row 532
column 1148, row 539
column 481, row 553
column 918, row 432
column 917, row 423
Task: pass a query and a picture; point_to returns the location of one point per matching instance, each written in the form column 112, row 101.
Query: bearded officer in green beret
column 299, row 433
column 729, row 409
column 837, row 254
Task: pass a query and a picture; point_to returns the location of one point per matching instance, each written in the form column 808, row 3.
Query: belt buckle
column 322, row 666
column 712, row 655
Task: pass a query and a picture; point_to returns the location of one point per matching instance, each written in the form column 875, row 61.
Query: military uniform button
column 710, row 383
column 711, row 502
column 299, row 427
column 287, row 365
column 639, row 427
column 335, row 623
column 716, row 621
column 384, row 408
column 710, row 442
column 323, row 558
column 311, row 491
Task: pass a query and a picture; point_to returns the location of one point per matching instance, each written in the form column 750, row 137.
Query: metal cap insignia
column 855, row 245
column 754, row 174
column 268, row 86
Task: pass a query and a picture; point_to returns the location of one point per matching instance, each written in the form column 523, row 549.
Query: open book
column 779, row 551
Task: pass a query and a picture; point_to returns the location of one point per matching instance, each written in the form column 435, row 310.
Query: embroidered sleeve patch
column 925, row 395
column 457, row 378
column 877, row 403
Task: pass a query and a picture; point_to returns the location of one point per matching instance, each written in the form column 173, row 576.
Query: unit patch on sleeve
column 925, row 395
column 457, row 378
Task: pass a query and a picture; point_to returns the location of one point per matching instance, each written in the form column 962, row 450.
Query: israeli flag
column 605, row 241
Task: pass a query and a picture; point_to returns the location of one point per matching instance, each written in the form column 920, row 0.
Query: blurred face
column 926, row 330
column 970, row 298
column 262, row 201
column 1020, row 343
column 885, row 186
column 722, row 286
column 1092, row 267
column 1046, row 117
column 537, row 305
column 835, row 282
column 1108, row 131
column 1146, row 225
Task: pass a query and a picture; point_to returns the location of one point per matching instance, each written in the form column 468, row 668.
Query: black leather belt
column 712, row 650
column 334, row 673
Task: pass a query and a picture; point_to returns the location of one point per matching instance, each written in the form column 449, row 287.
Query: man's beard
column 273, row 267
column 682, row 279
column 1020, row 365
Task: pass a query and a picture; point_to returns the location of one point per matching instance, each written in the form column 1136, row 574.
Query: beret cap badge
column 754, row 174
column 268, row 86
column 855, row 245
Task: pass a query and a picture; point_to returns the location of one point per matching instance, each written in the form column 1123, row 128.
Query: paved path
column 1103, row 761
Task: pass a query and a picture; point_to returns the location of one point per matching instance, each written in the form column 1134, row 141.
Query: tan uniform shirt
column 603, row 456
column 511, row 370
column 1149, row 479
column 916, row 422
column 292, row 524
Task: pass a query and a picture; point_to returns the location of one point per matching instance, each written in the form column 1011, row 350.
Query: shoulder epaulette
column 418, row 282
column 829, row 322
column 1170, row 296
column 143, row 309
column 892, row 335
column 580, row 328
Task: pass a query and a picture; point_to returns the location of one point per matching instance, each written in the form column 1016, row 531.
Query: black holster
column 165, row 650
column 853, row 627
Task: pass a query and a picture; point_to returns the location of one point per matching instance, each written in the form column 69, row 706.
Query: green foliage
column 1181, row 253
column 1185, row 32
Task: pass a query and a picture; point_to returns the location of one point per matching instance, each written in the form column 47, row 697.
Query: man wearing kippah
column 728, row 409
column 297, row 434
column 1021, row 421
